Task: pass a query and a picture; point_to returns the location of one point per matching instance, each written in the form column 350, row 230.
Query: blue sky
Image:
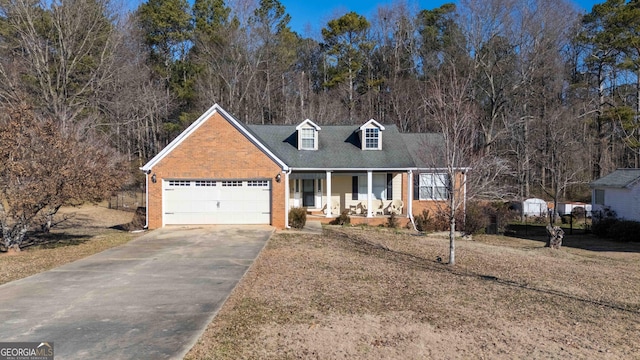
column 315, row 14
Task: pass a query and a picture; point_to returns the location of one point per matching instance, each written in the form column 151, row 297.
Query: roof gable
column 201, row 120
column 371, row 123
column 308, row 123
column 621, row 178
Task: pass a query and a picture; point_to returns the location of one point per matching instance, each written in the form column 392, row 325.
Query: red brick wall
column 216, row 150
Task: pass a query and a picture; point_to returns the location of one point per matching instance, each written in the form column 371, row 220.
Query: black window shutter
column 416, row 186
column 389, row 186
column 354, row 188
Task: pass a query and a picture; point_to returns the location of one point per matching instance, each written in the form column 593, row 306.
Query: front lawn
column 374, row 293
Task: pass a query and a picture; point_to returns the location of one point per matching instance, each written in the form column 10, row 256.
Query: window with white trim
column 434, row 186
column 372, row 138
column 599, row 196
column 179, row 183
column 232, row 183
column 258, row 183
column 308, row 139
column 205, row 183
column 378, row 187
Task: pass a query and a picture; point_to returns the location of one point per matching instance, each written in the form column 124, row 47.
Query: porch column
column 369, row 193
column 328, row 190
column 287, row 196
column 409, row 193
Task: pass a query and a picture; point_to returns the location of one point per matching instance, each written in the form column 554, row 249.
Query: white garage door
column 197, row 202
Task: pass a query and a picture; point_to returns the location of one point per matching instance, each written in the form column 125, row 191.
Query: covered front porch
column 363, row 194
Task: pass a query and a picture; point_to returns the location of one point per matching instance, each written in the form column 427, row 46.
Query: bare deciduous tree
column 63, row 53
column 470, row 173
column 44, row 169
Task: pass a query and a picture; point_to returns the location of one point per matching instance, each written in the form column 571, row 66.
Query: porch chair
column 396, row 207
column 363, row 207
column 335, row 208
column 380, row 209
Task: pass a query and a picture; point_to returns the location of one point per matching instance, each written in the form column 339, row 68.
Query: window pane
column 362, row 188
column 434, row 186
column 307, row 143
column 440, row 193
column 599, row 197
column 371, row 138
column 425, row 193
column 380, row 186
column 307, row 137
column 426, row 180
column 441, row 180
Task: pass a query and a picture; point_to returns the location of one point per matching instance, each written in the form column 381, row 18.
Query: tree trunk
column 452, row 241
column 452, row 230
column 555, row 236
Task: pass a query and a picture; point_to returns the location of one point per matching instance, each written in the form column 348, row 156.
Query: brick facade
column 216, row 150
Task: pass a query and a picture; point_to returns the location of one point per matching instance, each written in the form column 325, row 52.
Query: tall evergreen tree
column 346, row 44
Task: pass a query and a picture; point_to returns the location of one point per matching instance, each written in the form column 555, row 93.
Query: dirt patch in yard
column 375, row 294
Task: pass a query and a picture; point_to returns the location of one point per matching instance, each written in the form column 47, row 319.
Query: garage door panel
column 217, row 202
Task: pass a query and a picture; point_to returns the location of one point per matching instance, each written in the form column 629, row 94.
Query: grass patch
column 65, row 249
column 361, row 293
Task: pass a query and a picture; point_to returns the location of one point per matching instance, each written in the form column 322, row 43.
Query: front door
column 308, row 193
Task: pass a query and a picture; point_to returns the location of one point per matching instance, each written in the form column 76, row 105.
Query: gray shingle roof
column 618, row 179
column 338, row 148
column 426, row 149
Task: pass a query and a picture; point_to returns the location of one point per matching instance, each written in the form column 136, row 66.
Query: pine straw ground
column 378, row 294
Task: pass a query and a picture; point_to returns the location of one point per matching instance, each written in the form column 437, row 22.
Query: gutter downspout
column 146, row 200
column 464, row 198
column 410, row 199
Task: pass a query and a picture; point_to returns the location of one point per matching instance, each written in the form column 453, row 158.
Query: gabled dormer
column 371, row 135
column 307, row 135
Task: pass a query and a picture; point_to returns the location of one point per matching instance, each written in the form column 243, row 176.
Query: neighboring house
column 220, row 171
column 618, row 191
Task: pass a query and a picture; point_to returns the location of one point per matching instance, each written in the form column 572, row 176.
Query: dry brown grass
column 85, row 232
column 374, row 294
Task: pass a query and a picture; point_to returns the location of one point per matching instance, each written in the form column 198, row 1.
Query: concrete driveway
column 149, row 299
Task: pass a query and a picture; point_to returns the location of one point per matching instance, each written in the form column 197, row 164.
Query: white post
column 287, row 195
column 328, row 190
column 409, row 193
column 369, row 193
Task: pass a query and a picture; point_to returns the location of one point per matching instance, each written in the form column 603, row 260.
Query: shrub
column 423, row 221
column 624, row 231
column 343, row 219
column 602, row 222
column 578, row 212
column 567, row 218
column 487, row 217
column 477, row 219
column 297, row 217
column 392, row 221
column 427, row 222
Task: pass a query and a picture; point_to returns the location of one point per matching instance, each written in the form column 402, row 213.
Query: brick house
column 220, row 171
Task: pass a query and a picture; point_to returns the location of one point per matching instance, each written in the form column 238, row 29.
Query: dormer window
column 371, row 138
column 307, row 135
column 308, row 139
column 371, row 135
